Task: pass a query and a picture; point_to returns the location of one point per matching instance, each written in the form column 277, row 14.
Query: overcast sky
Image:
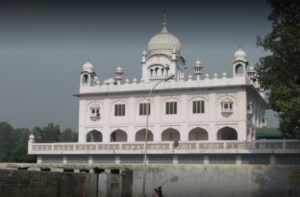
column 44, row 45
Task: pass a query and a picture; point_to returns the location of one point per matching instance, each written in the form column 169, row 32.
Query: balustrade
column 166, row 147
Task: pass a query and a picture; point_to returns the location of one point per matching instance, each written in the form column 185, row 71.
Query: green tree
column 6, row 141
column 19, row 154
column 68, row 136
column 279, row 71
column 50, row 133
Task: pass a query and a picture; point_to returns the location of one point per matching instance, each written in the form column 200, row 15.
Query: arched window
column 141, row 134
column 94, row 136
column 170, row 135
column 118, row 136
column 95, row 112
column 85, row 79
column 156, row 70
column 227, row 133
column 239, row 69
column 198, row 134
column 227, row 107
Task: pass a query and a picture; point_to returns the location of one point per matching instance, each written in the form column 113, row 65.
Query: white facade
column 192, row 120
column 193, row 108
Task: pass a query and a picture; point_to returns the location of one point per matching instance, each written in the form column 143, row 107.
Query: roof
column 269, row 133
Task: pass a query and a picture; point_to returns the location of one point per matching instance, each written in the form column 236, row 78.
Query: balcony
column 184, row 147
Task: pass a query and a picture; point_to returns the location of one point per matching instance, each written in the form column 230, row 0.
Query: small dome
column 31, row 136
column 251, row 68
column 198, row 63
column 88, row 67
column 240, row 54
column 164, row 42
column 119, row 69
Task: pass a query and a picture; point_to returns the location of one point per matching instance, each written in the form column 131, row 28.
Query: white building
column 195, row 114
column 197, row 108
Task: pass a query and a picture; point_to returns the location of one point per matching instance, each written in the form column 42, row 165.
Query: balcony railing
column 191, row 147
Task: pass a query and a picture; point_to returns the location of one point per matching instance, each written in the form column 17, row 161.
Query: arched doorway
column 170, row 135
column 94, row 136
column 198, row 134
column 141, row 134
column 118, row 136
column 239, row 69
column 227, row 133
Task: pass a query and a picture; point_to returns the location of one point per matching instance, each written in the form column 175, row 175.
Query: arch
column 198, row 134
column 85, row 78
column 170, row 134
column 94, row 136
column 118, row 136
column 227, row 133
column 239, row 69
column 141, row 134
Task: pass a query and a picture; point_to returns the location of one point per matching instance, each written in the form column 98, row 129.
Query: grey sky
column 44, row 45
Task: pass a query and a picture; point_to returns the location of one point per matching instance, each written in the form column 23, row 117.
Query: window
column 198, row 107
column 171, row 107
column 250, row 108
column 239, row 70
column 95, row 112
column 227, row 107
column 120, row 110
column 143, row 109
column 85, row 79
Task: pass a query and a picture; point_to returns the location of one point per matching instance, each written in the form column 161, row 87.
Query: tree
column 19, row 154
column 68, row 136
column 279, row 71
column 6, row 141
column 50, row 133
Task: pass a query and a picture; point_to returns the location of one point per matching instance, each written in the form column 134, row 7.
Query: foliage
column 13, row 142
column 279, row 71
column 6, row 142
column 19, row 154
column 68, row 136
column 50, row 133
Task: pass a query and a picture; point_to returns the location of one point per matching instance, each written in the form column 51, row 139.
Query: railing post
column 272, row 160
column 91, row 160
column 118, row 159
column 175, row 159
column 205, row 159
column 30, row 142
column 238, row 160
column 39, row 159
column 65, row 160
column 284, row 144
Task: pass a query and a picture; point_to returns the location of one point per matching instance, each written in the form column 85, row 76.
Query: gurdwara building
column 174, row 117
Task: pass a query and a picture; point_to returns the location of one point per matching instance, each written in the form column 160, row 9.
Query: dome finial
column 165, row 18
column 164, row 30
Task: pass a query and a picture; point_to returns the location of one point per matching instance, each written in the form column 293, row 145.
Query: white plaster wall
column 184, row 121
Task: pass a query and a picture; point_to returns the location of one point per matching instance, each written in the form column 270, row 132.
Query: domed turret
column 119, row 75
column 164, row 41
column 198, row 69
column 88, row 67
column 240, row 55
column 240, row 63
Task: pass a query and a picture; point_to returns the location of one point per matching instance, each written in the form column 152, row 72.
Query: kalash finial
column 164, row 30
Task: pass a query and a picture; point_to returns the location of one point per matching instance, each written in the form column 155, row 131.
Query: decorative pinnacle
column 164, row 30
column 165, row 18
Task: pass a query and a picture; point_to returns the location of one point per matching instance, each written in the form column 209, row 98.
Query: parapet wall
column 127, row 180
column 219, row 180
column 18, row 183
